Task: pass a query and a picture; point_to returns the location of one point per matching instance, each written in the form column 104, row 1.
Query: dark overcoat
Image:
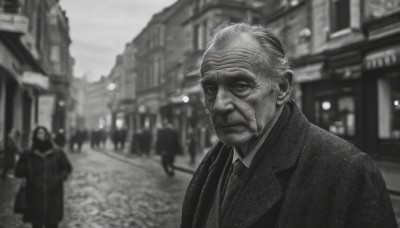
column 45, row 174
column 168, row 143
column 10, row 151
column 304, row 177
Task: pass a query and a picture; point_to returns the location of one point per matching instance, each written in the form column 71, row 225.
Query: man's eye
column 241, row 87
column 210, row 89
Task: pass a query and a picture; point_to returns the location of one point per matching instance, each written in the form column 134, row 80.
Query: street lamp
column 185, row 99
column 111, row 87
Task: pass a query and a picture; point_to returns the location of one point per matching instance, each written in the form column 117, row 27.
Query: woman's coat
column 45, row 174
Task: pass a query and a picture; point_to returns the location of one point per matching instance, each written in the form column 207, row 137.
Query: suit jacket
column 302, row 176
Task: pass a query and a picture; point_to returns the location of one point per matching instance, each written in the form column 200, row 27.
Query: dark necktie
column 232, row 185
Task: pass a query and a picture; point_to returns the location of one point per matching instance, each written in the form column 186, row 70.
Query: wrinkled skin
column 241, row 103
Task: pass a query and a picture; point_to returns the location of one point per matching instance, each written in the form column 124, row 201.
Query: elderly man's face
column 241, row 104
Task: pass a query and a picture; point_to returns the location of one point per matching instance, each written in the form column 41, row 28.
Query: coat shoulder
column 328, row 151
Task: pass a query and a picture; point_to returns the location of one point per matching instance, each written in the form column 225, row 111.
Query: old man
column 272, row 167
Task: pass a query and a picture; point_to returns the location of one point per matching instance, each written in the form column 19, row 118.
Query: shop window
column 337, row 115
column 389, row 108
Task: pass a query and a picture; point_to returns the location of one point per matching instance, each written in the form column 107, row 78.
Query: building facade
column 344, row 59
column 22, row 76
column 77, row 102
column 96, row 113
column 60, row 66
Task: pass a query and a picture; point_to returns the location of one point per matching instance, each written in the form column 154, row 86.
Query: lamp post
column 111, row 88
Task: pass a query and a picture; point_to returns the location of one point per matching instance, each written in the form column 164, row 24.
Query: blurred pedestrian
column 192, row 145
column 11, row 150
column 145, row 141
column 60, row 139
column 80, row 138
column 115, row 139
column 72, row 140
column 168, row 146
column 122, row 137
column 45, row 168
column 102, row 138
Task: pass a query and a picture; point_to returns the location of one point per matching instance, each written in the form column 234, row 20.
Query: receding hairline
column 237, row 41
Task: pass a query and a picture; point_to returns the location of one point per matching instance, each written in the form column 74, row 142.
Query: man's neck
column 264, row 134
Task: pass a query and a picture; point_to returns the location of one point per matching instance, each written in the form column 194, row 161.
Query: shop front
column 334, row 102
column 382, row 68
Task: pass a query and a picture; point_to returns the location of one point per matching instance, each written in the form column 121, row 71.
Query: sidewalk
column 391, row 173
column 390, row 170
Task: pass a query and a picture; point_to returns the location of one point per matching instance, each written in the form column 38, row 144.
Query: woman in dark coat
column 45, row 168
column 10, row 151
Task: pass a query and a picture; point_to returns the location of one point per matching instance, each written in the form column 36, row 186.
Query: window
column 340, row 15
column 204, row 35
column 336, row 114
column 156, row 73
column 55, row 55
column 196, row 32
column 162, row 36
column 389, row 108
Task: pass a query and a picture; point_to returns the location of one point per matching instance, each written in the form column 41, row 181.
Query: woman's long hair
column 41, row 145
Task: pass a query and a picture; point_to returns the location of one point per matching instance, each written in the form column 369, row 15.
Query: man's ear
column 285, row 88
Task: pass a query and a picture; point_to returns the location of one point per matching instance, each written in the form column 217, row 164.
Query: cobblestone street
column 108, row 190
column 105, row 191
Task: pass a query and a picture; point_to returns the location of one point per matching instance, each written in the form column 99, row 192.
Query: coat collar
column 43, row 155
column 260, row 189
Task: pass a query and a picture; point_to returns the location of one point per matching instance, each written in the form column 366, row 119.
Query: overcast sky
column 100, row 29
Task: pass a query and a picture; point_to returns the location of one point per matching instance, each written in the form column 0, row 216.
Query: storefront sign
column 382, row 58
column 14, row 23
column 348, row 72
column 308, row 73
column 35, row 79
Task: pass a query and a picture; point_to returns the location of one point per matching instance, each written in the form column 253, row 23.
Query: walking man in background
column 272, row 167
column 168, row 146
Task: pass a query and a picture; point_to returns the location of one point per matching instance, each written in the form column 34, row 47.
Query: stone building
column 96, row 113
column 23, row 46
column 344, row 58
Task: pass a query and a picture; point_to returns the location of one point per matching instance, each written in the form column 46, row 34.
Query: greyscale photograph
column 199, row 113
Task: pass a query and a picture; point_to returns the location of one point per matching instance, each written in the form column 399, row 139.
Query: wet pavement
column 110, row 191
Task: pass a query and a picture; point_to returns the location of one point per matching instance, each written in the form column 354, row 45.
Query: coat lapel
column 211, row 185
column 260, row 189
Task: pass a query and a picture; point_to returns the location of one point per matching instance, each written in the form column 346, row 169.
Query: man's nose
column 223, row 101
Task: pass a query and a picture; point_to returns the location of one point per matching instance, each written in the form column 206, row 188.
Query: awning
column 308, row 73
column 384, row 57
column 36, row 80
column 13, row 42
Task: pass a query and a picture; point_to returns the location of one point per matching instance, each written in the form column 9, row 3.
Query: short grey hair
column 272, row 55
